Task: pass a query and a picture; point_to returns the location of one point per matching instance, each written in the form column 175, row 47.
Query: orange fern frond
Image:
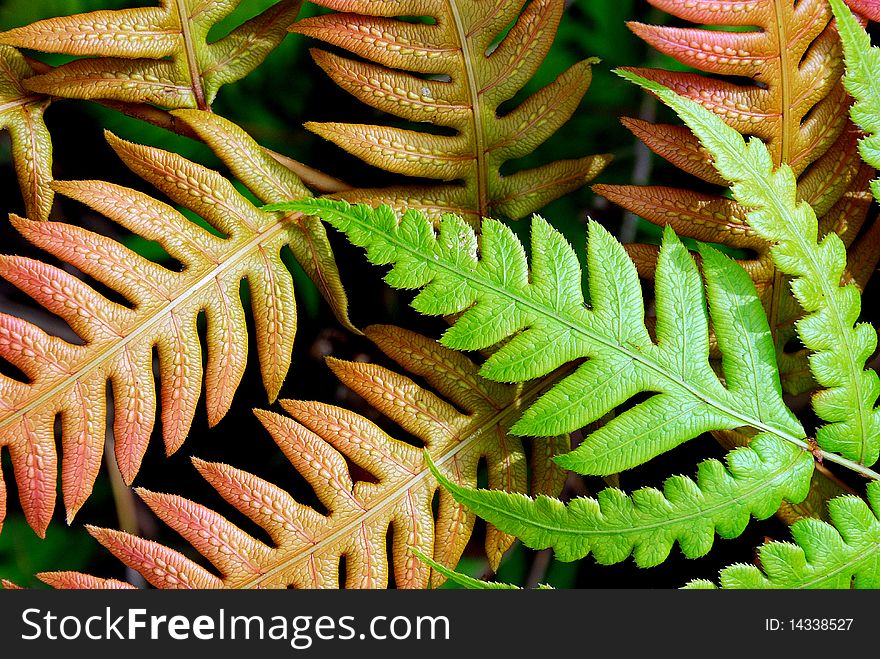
column 118, row 340
column 794, row 101
column 157, row 55
column 468, row 423
column 21, row 113
column 452, row 73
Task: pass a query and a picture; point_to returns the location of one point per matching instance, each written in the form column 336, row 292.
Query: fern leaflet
column 543, row 311
column 647, row 523
column 463, row 580
column 862, row 65
column 843, row 554
column 21, row 113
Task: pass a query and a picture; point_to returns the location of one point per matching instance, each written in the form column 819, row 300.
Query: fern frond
column 870, row 9
column 157, row 55
column 272, row 182
column 840, row 345
column 798, row 110
column 780, row 79
column 21, row 113
column 647, row 523
column 543, row 313
column 453, row 74
column 862, row 66
column 118, row 340
column 465, row 426
column 843, row 554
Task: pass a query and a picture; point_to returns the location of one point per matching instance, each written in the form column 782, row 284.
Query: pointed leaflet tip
column 636, row 79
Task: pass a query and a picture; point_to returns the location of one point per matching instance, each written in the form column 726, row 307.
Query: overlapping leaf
column 839, row 345
column 161, row 311
column 862, row 66
column 844, row 554
column 870, row 9
column 465, row 426
column 157, row 55
column 646, row 524
column 794, row 100
column 21, row 113
column 542, row 311
column 453, row 72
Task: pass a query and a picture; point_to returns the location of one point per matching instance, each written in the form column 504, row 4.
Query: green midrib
column 571, row 324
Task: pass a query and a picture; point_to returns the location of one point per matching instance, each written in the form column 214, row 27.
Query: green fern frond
column 647, row 523
column 861, row 81
column 840, row 346
column 543, row 313
column 843, row 554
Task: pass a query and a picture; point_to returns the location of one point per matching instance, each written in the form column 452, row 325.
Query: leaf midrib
column 394, row 493
column 192, row 62
column 759, row 484
column 635, row 356
column 476, row 111
column 158, row 316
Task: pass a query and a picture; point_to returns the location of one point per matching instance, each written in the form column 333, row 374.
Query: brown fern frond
column 157, row 55
column 466, row 424
column 794, row 101
column 118, row 340
column 453, row 74
column 272, row 182
column 21, row 113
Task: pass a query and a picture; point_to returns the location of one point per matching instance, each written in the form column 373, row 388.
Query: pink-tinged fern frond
column 158, row 55
column 79, row 581
column 453, row 74
column 870, row 9
column 69, row 381
column 21, row 113
column 465, row 423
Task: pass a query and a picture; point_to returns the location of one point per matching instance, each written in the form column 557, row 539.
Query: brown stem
column 539, row 568
column 123, row 497
column 310, row 176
